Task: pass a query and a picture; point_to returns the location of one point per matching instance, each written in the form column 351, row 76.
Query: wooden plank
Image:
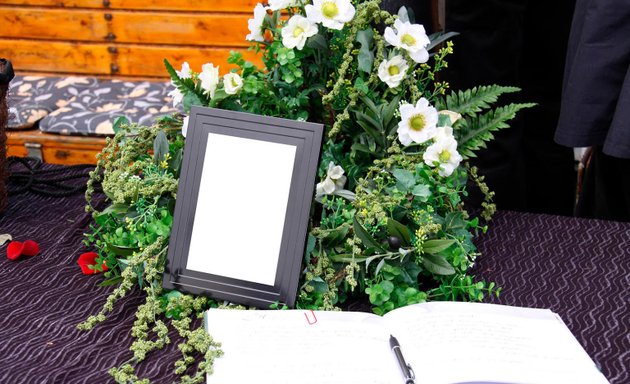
column 31, row 55
column 135, row 60
column 98, row 59
column 124, row 26
column 56, row 149
column 242, row 6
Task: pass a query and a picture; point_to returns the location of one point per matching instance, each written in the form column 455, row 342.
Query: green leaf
column 122, row 251
column 365, row 57
column 346, row 194
column 176, row 162
column 421, row 191
column 395, row 228
column 437, row 245
column 365, row 236
column 473, row 133
column 191, row 99
column 160, row 147
column 437, row 265
column 317, row 42
column 112, row 281
column 474, row 100
column 361, row 86
column 438, row 38
column 405, row 178
column 119, row 122
column 116, row 209
column 310, row 244
column 403, row 14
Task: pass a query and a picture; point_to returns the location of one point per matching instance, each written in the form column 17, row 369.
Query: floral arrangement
column 388, row 227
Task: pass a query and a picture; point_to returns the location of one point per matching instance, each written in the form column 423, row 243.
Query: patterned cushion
column 92, row 111
column 33, row 97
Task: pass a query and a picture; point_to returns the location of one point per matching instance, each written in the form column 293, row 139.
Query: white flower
column 209, row 78
column 185, row 126
column 297, row 30
column 276, row 5
column 332, row 14
column 417, row 123
column 232, row 83
column 255, row 24
column 393, row 71
column 410, row 37
column 335, row 180
column 185, row 72
column 443, row 154
column 177, row 96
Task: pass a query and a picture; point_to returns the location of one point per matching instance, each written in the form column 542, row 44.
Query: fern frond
column 472, row 101
column 473, row 132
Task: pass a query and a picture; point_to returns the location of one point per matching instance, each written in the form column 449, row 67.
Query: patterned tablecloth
column 578, row 268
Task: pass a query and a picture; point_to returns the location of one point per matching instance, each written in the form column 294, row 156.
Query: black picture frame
column 207, row 126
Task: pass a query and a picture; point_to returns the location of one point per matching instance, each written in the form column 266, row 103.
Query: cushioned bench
column 78, row 106
column 120, row 42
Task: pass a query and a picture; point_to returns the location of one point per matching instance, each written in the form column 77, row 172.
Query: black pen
column 406, row 368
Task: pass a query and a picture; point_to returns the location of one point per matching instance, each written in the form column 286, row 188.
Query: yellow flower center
column 297, row 31
column 444, row 156
column 330, row 10
column 234, row 83
column 393, row 70
column 417, row 123
column 408, row 40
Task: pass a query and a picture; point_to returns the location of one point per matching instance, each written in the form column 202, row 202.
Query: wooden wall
column 121, row 38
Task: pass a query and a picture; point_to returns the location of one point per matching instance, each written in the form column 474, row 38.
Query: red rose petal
column 14, row 250
column 31, row 248
column 89, row 259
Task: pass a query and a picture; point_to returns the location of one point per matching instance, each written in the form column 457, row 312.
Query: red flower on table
column 15, row 249
column 87, row 260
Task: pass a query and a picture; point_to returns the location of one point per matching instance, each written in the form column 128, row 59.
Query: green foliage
column 394, row 231
column 475, row 100
column 473, row 133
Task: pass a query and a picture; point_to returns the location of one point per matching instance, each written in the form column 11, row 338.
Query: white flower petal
column 453, row 116
column 336, row 172
column 444, row 154
column 393, row 71
column 177, row 96
column 276, row 5
column 421, row 56
column 232, row 83
column 185, row 126
column 319, row 189
column 185, row 73
column 209, row 78
column 328, row 186
column 297, row 31
column 390, row 36
column 331, row 14
column 340, row 182
column 255, row 24
column 403, row 137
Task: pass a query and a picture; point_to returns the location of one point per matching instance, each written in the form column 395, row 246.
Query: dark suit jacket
column 595, row 106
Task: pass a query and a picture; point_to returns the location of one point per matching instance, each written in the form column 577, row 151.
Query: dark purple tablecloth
column 578, row 268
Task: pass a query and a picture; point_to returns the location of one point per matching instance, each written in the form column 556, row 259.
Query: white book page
column 471, row 342
column 297, row 346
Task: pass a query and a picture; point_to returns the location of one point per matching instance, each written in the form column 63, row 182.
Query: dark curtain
column 520, row 43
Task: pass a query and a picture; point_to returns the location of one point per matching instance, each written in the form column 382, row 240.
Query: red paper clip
column 308, row 320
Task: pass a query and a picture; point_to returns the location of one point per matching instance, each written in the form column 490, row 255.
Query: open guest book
column 443, row 342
